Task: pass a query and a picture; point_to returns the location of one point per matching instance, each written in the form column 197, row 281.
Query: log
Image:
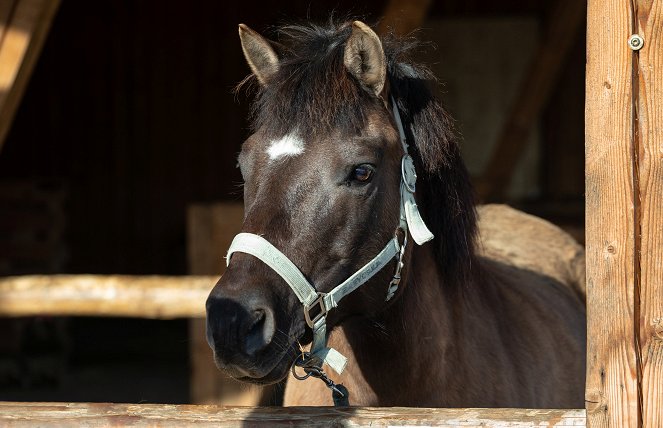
column 163, row 297
column 612, row 390
column 160, row 415
column 648, row 81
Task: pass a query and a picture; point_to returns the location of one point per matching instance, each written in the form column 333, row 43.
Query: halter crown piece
column 318, row 304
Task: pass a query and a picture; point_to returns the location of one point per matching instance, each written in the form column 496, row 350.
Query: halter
column 317, row 304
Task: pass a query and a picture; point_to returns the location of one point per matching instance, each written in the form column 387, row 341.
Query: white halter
column 313, row 300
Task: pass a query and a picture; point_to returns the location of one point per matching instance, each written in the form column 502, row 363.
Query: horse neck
column 390, row 349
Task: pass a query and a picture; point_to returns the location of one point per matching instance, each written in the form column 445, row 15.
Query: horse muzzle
column 242, row 332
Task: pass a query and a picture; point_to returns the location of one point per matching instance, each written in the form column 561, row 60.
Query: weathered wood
column 403, row 16
column 611, row 394
column 563, row 26
column 159, row 415
column 100, row 295
column 20, row 44
column 649, row 151
column 210, row 229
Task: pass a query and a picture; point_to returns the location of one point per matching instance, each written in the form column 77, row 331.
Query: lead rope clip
column 340, row 394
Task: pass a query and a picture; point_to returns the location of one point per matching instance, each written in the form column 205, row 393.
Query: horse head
column 323, row 172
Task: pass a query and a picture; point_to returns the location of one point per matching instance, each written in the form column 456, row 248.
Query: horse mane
column 313, row 89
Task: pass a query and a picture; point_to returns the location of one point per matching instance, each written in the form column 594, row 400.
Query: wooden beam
column 162, row 297
column 648, row 141
column 612, row 391
column 164, row 415
column 562, row 30
column 21, row 41
column 403, row 16
column 6, row 10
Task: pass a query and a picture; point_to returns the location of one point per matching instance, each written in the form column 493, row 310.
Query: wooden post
column 210, row 230
column 624, row 191
column 648, row 81
column 611, row 394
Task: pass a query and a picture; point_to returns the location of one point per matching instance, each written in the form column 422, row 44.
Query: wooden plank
column 22, row 41
column 649, row 16
column 611, row 389
column 563, row 26
column 162, row 415
column 403, row 16
column 162, row 297
column 210, row 230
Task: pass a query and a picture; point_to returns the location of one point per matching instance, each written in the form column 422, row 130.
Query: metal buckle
column 408, row 173
column 396, row 278
column 319, row 302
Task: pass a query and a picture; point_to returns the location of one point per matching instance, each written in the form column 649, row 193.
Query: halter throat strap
column 317, row 304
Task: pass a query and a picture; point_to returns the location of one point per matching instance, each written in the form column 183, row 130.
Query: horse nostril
column 260, row 332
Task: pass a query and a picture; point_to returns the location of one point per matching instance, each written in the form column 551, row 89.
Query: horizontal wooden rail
column 163, row 415
column 105, row 295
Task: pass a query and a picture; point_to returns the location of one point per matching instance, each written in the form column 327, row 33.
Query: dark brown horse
column 489, row 313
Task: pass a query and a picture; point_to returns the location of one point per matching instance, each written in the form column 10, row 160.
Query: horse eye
column 363, row 173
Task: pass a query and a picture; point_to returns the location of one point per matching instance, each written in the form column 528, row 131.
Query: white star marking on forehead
column 289, row 145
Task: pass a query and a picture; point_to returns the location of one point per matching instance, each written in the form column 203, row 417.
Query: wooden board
column 155, row 415
column 649, row 150
column 611, row 394
column 20, row 43
column 162, row 297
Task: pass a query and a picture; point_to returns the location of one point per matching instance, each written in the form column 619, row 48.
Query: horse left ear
column 258, row 53
column 364, row 58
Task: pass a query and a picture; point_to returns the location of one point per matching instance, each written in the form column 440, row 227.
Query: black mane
column 313, row 89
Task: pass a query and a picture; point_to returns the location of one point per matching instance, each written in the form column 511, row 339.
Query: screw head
column 635, row 42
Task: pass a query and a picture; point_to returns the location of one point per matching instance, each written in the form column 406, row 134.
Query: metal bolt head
column 635, row 42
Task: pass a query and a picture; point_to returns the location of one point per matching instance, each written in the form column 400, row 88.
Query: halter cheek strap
column 317, row 304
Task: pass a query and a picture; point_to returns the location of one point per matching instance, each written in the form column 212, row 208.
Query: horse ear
column 258, row 53
column 364, row 57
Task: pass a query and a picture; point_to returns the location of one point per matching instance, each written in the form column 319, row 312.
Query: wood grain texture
column 161, row 297
column 155, row 415
column 21, row 42
column 650, row 167
column 611, row 391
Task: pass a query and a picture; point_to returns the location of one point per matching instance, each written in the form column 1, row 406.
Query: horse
column 353, row 181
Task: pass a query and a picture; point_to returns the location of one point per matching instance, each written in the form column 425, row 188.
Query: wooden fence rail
column 105, row 295
column 160, row 415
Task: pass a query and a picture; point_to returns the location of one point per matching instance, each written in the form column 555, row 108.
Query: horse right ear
column 258, row 53
column 364, row 58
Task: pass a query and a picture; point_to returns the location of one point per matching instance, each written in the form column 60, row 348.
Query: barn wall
column 131, row 105
column 131, row 108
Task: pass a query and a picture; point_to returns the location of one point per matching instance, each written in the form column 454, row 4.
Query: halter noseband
column 318, row 304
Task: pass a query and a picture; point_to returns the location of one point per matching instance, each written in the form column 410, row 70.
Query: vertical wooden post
column 612, row 390
column 624, row 190
column 649, row 152
column 210, row 230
